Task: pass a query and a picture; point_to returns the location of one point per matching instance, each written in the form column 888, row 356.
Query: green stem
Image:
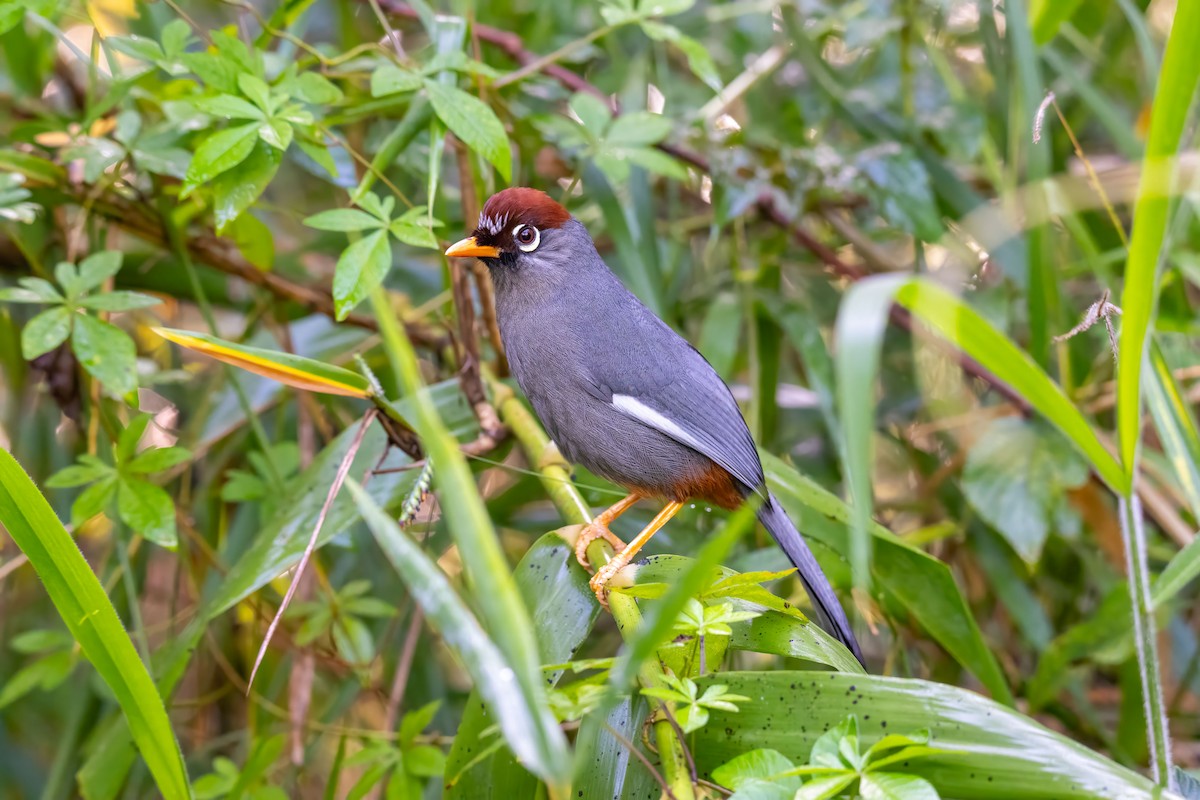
column 556, row 479
column 1158, row 738
column 135, row 611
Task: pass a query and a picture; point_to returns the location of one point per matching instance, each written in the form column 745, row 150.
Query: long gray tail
column 829, row 611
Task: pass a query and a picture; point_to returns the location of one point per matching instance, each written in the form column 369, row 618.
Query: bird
column 619, row 391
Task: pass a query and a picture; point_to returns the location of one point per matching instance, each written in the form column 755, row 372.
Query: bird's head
column 516, row 225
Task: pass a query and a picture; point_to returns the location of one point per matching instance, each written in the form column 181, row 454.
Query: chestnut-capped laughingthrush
column 618, row 390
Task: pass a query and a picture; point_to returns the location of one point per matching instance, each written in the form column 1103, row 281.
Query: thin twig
column 403, row 670
column 336, row 487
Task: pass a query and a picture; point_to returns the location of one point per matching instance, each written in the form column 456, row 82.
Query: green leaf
column 256, row 89
column 138, row 47
column 824, row 788
column 229, row 106
column 93, row 500
column 895, row 786
column 93, row 622
column 289, row 369
column 593, row 113
column 390, row 79
column 992, row 751
column 1173, row 97
column 276, row 133
column 416, row 235
column 526, row 723
column 221, row 151
column 474, row 122
column 78, row 475
column 175, row 36
column 158, row 459
column 106, row 352
column 637, row 129
column 656, row 161
column 343, row 219
column 920, row 582
column 664, row 8
column 119, row 301
column 45, row 332
column 700, row 61
column 235, row 190
column 1016, row 477
column 33, row 290
column 148, row 510
column 360, row 269
column 754, row 764
column 314, row 88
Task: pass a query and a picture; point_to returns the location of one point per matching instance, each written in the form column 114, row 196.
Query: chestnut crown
column 511, row 223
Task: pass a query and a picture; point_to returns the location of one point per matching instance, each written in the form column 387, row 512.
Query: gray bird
column 619, row 391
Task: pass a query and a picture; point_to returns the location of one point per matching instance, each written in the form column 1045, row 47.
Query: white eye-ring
column 527, row 237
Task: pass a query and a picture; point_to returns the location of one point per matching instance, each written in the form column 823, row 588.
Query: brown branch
column 222, row 254
column 514, row 47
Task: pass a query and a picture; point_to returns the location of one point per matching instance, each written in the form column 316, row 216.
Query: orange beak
column 469, row 247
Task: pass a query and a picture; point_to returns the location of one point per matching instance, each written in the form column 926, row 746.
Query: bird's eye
column 527, row 237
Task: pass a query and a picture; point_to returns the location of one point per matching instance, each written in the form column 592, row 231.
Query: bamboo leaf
column 295, row 371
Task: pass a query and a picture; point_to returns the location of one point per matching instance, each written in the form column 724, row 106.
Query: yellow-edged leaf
column 292, row 370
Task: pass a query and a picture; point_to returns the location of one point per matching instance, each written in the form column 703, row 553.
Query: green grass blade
column 1172, row 102
column 555, row 588
column 996, row 752
column 958, row 323
column 92, row 621
column 505, row 616
column 522, row 720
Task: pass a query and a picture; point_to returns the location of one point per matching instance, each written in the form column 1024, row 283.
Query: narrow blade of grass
column 92, row 621
column 1172, row 102
column 522, row 719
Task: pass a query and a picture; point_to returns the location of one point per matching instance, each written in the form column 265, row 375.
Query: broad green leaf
column 147, row 509
column 93, row 622
column 360, row 269
column 416, row 235
column 32, row 290
column 526, row 723
column 1157, row 184
column 97, row 268
column 895, row 786
column 106, row 352
column 563, row 608
column 236, row 189
column 390, row 79
column 754, row 764
column 993, row 751
column 138, row 47
column 824, row 788
column 699, row 58
column 45, row 332
column 292, row 370
column 312, row 87
column 256, row 89
column 474, row 122
column 221, row 151
column 343, row 219
column 229, row 106
column 119, row 301
column 277, row 133
column 1047, row 16
column 923, row 585
column 656, row 161
column 1016, row 476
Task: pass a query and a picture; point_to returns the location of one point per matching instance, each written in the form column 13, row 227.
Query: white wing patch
column 655, row 419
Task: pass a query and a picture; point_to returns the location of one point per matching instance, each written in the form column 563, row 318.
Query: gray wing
column 656, row 377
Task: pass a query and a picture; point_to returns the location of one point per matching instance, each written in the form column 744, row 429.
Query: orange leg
column 599, row 581
column 598, row 529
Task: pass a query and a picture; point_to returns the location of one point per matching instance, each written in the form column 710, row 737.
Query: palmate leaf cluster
column 843, row 205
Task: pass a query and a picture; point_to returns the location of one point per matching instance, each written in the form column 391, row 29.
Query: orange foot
column 589, row 534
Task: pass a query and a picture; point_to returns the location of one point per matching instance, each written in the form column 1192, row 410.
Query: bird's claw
column 599, row 582
column 590, row 533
